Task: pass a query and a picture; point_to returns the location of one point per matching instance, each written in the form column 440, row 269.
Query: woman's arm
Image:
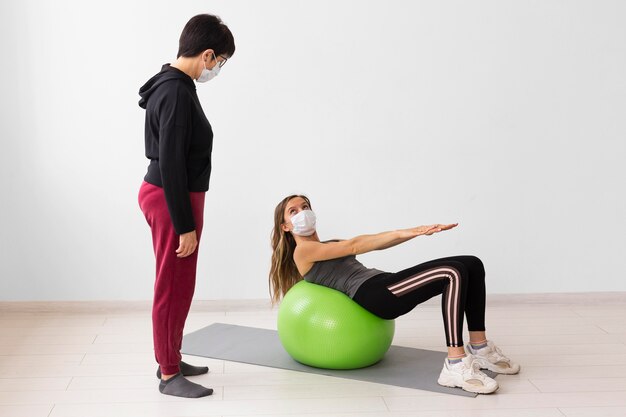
column 316, row 251
column 174, row 141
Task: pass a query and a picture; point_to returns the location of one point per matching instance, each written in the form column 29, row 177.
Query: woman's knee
column 474, row 265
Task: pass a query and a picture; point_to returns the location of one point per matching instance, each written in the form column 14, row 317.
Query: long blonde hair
column 283, row 271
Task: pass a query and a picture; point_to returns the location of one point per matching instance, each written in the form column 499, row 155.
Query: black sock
column 188, row 370
column 178, row 386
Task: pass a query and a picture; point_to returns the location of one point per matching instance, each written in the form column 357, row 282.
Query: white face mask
column 207, row 75
column 303, row 223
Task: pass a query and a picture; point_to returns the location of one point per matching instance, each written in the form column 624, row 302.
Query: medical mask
column 207, row 75
column 303, row 223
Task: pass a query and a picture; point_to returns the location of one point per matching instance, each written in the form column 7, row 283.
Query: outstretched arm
column 408, row 234
column 316, row 251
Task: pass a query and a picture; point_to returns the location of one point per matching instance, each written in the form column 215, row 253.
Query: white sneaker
column 491, row 357
column 466, row 375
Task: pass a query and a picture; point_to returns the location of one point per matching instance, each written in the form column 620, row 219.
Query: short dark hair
column 206, row 31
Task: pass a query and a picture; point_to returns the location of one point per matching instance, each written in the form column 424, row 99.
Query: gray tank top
column 344, row 274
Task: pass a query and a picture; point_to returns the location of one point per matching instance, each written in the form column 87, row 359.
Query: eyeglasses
column 221, row 63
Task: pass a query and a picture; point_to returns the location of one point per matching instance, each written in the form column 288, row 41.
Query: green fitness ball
column 322, row 327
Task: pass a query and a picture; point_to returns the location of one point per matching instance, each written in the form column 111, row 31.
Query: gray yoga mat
column 401, row 366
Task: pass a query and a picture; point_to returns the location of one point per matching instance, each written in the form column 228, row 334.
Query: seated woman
column 298, row 253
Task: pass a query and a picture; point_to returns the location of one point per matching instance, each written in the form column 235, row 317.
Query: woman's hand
column 188, row 242
column 427, row 230
column 436, row 228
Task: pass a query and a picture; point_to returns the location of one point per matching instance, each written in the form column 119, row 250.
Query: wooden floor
column 95, row 360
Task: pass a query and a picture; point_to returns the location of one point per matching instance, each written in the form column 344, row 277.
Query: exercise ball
column 322, row 327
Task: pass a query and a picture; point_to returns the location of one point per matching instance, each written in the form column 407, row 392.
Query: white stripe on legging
column 416, row 281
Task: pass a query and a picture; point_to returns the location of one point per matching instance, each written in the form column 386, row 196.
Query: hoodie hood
column 167, row 73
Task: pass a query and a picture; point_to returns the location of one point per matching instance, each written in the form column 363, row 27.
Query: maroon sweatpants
column 175, row 277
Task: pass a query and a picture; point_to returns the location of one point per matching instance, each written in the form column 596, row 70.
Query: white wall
column 506, row 116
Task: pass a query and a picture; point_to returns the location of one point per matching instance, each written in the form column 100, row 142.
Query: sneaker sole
column 451, row 383
column 501, row 371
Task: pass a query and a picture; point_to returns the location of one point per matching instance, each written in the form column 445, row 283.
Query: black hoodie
column 179, row 140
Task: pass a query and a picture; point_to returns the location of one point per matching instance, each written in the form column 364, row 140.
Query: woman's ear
column 284, row 227
column 207, row 55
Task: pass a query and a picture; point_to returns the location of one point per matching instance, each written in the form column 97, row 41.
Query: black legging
column 461, row 280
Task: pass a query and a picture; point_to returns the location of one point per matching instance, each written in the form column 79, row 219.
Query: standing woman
column 179, row 140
